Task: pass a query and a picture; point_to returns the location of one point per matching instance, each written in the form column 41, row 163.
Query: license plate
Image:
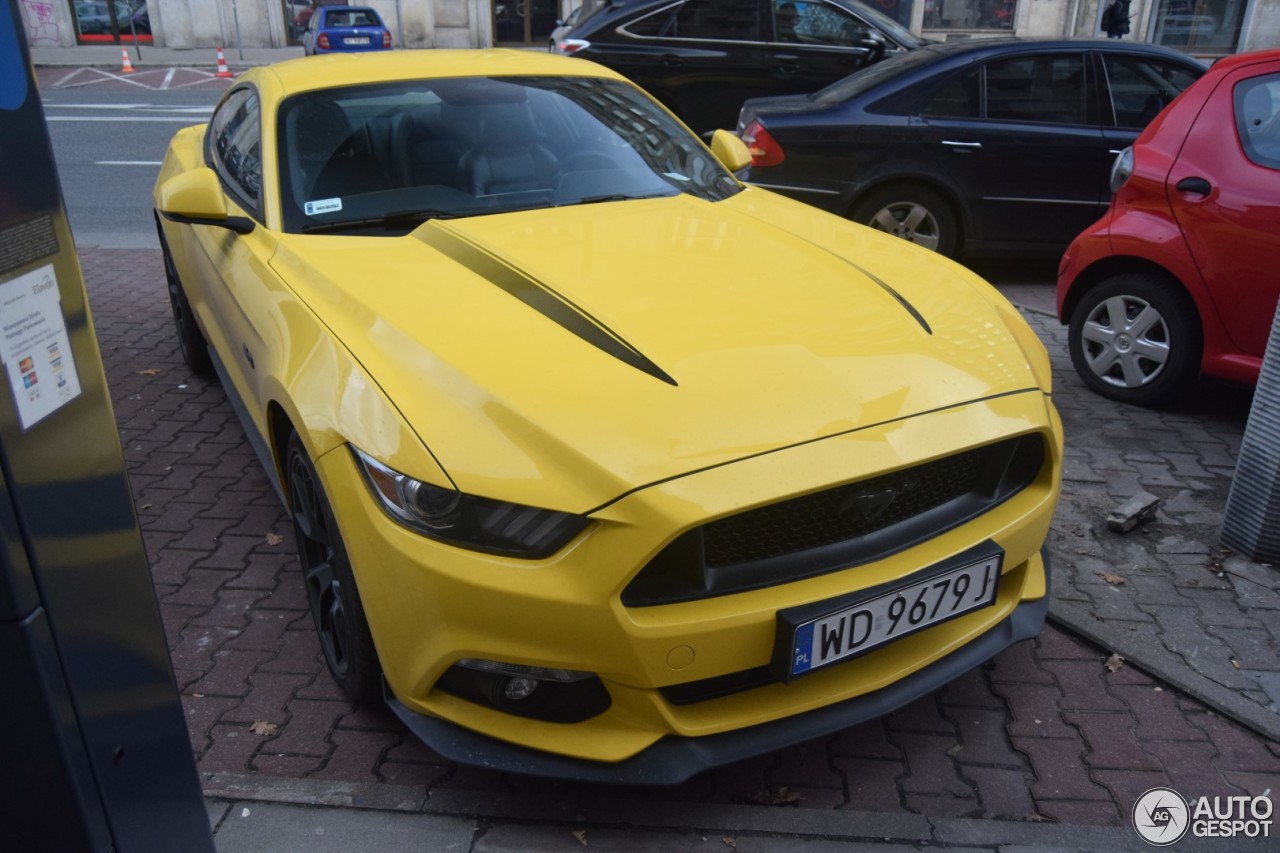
column 357, row 40
column 829, row 632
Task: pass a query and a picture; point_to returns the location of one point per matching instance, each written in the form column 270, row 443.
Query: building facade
column 1204, row 28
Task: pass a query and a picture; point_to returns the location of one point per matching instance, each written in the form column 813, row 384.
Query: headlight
column 1121, row 169
column 469, row 521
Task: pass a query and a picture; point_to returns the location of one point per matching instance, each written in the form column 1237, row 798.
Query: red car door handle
column 1199, row 186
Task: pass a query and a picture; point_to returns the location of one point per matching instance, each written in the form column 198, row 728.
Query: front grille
column 839, row 514
column 837, row 528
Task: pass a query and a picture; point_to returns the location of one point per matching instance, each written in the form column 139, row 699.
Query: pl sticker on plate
column 324, row 205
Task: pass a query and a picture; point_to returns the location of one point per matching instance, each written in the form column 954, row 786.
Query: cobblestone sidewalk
column 1045, row 732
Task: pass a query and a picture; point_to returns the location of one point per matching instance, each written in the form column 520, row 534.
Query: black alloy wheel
column 913, row 213
column 1136, row 338
column 191, row 342
column 334, row 600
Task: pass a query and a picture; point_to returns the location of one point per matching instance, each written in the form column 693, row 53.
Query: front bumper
column 673, row 759
column 431, row 605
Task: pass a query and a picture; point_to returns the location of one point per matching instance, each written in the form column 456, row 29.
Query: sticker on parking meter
column 35, row 348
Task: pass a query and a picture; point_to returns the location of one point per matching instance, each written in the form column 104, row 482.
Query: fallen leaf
column 581, row 835
column 197, row 695
column 1115, row 663
column 1036, row 817
column 264, row 729
column 1114, row 580
column 150, row 371
column 1235, row 663
column 730, row 842
column 772, row 797
column 274, row 538
column 955, row 750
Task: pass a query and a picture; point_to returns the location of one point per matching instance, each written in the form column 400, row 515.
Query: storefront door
column 524, row 21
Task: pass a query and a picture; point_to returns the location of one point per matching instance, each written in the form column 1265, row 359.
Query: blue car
column 335, row 29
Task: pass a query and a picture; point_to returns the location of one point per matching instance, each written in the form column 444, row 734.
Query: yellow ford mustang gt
column 602, row 464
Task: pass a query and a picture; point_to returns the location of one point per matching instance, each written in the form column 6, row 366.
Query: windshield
column 383, row 158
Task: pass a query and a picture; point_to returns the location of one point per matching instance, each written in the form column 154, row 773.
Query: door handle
column 1196, row 185
column 963, row 146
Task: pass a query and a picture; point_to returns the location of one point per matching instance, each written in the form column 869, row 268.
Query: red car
column 1180, row 277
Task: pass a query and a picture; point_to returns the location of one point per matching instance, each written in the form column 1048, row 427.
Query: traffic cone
column 127, row 66
column 223, row 70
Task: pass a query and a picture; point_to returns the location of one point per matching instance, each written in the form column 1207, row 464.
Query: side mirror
column 195, row 198
column 730, row 150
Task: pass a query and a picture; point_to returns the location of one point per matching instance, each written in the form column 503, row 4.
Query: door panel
column 1233, row 232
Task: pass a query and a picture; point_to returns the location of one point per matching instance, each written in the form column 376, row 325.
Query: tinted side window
column 717, row 20
column 1140, row 88
column 815, row 22
column 235, row 139
column 1257, row 106
column 1037, row 88
column 958, row 98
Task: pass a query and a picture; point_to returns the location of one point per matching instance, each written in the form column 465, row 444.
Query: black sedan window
column 1141, row 87
column 382, row 159
column 1041, row 88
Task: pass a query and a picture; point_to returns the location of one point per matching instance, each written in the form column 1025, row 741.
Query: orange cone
column 127, row 66
column 223, row 70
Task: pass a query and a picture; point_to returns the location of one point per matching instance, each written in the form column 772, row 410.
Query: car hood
column 575, row 354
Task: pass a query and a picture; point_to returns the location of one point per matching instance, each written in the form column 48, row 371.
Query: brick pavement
column 1044, row 732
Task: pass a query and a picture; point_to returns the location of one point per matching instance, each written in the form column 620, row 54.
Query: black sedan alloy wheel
column 913, row 213
column 331, row 589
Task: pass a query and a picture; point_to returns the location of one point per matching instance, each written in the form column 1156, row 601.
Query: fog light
column 520, row 688
column 535, row 692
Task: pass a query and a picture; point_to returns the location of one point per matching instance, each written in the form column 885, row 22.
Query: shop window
column 1211, row 26
column 969, row 14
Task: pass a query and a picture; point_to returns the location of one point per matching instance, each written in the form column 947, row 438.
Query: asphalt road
column 109, row 135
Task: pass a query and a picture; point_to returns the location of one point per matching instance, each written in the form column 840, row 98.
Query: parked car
column 345, row 29
column 1179, row 277
column 749, row 476
column 703, row 58
column 976, row 147
column 563, row 27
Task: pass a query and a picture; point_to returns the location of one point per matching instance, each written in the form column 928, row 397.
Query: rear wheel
column 1136, row 338
column 913, row 213
column 195, row 349
column 335, row 603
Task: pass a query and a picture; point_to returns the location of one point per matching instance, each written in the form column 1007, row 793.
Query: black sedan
column 977, row 148
column 703, row 58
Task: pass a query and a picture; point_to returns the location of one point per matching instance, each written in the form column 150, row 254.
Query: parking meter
column 94, row 751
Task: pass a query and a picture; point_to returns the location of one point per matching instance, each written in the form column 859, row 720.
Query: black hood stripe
column 540, row 297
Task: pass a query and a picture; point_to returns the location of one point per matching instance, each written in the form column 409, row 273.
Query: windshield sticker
column 324, row 205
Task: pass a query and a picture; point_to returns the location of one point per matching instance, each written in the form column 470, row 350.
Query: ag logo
column 1161, row 816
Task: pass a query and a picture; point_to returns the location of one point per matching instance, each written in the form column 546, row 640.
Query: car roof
column 354, row 69
column 1000, row 44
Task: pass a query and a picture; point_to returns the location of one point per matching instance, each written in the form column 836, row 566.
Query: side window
column 817, row 23
column 1257, row 107
column 1141, row 88
column 958, row 98
column 714, row 20
column 1048, row 88
column 235, row 139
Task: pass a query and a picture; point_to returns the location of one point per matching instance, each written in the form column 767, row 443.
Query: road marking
column 180, row 119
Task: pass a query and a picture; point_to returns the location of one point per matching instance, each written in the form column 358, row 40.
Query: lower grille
column 837, row 528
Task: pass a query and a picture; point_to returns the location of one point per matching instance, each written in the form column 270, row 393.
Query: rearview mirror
column 195, row 198
column 730, row 150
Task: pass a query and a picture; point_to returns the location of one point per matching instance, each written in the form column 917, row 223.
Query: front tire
column 913, row 213
column 1136, row 338
column 191, row 342
column 335, row 603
